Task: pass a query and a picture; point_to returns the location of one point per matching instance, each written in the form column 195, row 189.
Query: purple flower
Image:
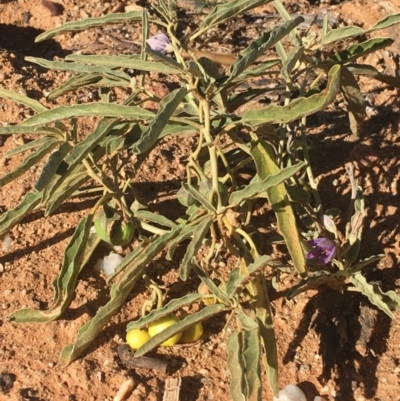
column 323, row 250
column 159, row 43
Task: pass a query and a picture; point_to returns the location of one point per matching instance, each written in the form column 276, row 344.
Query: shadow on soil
column 22, row 40
column 352, row 338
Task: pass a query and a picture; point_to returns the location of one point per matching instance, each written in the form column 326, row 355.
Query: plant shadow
column 352, row 337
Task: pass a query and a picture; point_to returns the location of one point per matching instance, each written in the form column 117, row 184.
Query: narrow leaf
column 265, row 160
column 78, row 67
column 251, row 356
column 125, row 62
column 188, row 321
column 85, row 110
column 27, row 146
column 373, row 292
column 259, row 46
column 254, row 189
column 30, row 161
column 22, row 99
column 10, row 218
column 83, row 25
column 360, row 49
column 228, row 10
column 155, row 218
column 298, row 108
column 237, row 387
column 167, row 108
column 191, row 252
column 157, row 314
column 353, row 98
column 65, row 283
column 119, row 292
column 263, row 312
column 50, row 168
column 368, row 70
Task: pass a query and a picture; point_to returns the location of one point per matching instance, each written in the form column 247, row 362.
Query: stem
column 309, row 172
column 211, row 150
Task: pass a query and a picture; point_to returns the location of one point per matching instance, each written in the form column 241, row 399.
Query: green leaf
column 236, row 366
column 30, row 161
column 83, row 25
column 353, row 98
column 195, row 244
column 360, row 49
column 84, row 147
column 205, row 278
column 386, row 22
column 314, row 280
column 38, row 130
column 259, row 46
column 182, row 325
column 360, row 265
column 133, row 270
column 87, row 80
column 298, row 108
column 258, row 187
column 50, row 168
column 265, row 160
column 375, row 294
column 198, row 196
column 155, row 218
column 27, row 146
column 349, row 31
column 166, row 60
column 237, row 280
column 22, row 99
column 186, row 233
column 228, row 10
column 78, row 67
column 125, row 62
column 368, row 70
column 251, row 356
column 246, row 321
column 293, row 57
column 86, row 110
column 157, row 314
column 341, row 33
column 262, row 308
column 65, row 283
column 10, row 218
column 167, row 108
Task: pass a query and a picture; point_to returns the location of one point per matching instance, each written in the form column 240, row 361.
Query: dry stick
column 144, row 362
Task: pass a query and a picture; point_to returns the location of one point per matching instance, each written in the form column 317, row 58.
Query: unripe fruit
column 162, row 324
column 136, row 338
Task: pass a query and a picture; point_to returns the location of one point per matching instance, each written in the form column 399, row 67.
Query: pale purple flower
column 323, row 250
column 159, row 43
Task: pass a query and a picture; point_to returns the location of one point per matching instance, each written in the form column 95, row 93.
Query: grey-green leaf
column 191, row 252
column 167, row 108
column 157, row 314
column 180, row 326
column 125, row 62
column 237, row 387
column 65, row 283
column 12, row 217
column 86, row 110
column 22, row 99
column 83, row 25
column 256, row 188
column 374, row 293
column 30, row 161
column 299, row 107
column 133, row 270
